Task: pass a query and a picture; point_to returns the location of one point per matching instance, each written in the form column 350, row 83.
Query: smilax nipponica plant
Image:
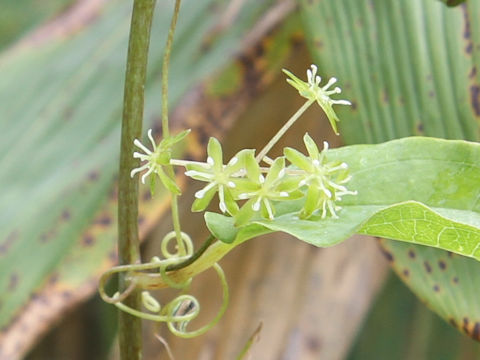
column 306, row 192
column 245, row 188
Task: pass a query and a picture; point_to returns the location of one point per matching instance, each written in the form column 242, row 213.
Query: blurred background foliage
column 18, row 17
column 383, row 62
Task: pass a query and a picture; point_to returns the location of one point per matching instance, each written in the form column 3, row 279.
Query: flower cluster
column 246, row 190
column 324, row 180
column 243, row 180
column 312, row 90
column 157, row 158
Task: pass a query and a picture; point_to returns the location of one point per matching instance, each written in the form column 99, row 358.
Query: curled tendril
column 181, row 310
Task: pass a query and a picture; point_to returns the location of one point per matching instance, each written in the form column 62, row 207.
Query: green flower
column 220, row 178
column 160, row 156
column 260, row 191
column 312, row 91
column 323, row 179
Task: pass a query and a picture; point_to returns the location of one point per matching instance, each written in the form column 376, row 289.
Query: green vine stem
column 130, row 327
column 209, row 257
column 165, row 127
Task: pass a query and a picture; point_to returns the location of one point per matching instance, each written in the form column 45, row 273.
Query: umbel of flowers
column 245, row 189
column 248, row 186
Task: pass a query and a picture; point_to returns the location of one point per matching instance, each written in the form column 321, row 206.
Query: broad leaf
column 410, row 68
column 420, row 190
column 60, row 141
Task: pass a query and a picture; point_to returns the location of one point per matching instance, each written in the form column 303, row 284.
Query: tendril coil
column 177, row 313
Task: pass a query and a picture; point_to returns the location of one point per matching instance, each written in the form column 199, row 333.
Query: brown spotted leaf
column 61, row 99
column 410, row 68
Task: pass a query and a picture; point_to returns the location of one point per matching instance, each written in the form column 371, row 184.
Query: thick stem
column 130, row 327
column 283, row 130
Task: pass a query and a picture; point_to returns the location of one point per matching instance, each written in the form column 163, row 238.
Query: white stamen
column 261, row 179
column 302, row 182
column 150, row 136
column 137, row 170
column 315, row 162
column 140, row 156
column 269, row 208
column 210, row 161
column 347, row 179
column 231, row 184
column 309, row 76
column 341, row 102
column 221, row 196
column 201, row 193
column 243, row 196
column 233, row 161
column 281, row 174
column 336, row 186
column 332, row 210
column 330, row 83
column 192, row 173
column 283, row 194
column 146, row 174
column 324, row 210
column 256, row 205
column 342, row 166
column 325, row 146
column 141, row 146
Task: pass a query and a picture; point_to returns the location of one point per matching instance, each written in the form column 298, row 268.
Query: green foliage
column 419, row 190
column 31, row 12
column 410, row 68
column 60, row 144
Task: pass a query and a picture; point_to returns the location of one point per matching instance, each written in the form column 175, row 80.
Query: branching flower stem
column 283, row 130
column 165, row 127
column 130, row 327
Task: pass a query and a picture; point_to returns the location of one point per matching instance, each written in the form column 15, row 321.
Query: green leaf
column 419, row 190
column 61, row 99
column 409, row 67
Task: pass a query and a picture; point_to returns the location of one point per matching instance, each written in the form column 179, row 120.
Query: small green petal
column 214, row 150
column 312, row 148
column 264, row 210
column 289, row 183
column 168, row 182
column 245, row 213
column 252, row 168
column 230, row 203
column 298, row 159
column 274, row 171
column 201, row 204
column 243, row 186
column 332, row 116
column 180, row 136
column 311, row 202
column 295, row 81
